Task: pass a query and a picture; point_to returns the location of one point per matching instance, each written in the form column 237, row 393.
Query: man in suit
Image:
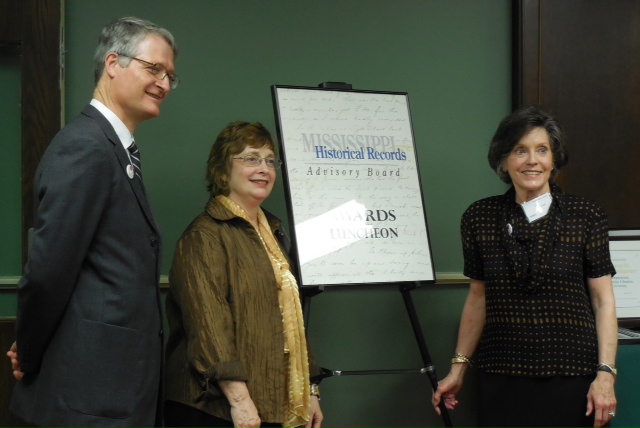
column 89, row 336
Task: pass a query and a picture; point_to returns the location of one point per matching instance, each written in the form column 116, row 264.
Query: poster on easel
column 353, row 186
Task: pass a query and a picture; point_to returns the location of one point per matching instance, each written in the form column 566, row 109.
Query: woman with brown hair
column 237, row 353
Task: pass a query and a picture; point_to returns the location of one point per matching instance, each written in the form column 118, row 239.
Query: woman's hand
column 243, row 410
column 601, row 396
column 245, row 414
column 315, row 413
column 601, row 399
column 471, row 326
column 15, row 364
column 448, row 388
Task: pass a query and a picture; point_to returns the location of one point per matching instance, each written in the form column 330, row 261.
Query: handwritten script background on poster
column 353, row 186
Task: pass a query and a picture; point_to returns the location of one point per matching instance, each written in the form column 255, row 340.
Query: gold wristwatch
column 315, row 390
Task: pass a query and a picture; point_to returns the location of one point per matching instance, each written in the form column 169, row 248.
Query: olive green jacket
column 224, row 316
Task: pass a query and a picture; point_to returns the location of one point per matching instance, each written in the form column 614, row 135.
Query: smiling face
column 530, row 164
column 133, row 93
column 249, row 186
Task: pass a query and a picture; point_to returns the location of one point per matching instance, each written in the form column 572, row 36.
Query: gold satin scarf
column 298, row 384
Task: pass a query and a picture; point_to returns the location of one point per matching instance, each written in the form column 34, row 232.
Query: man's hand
column 15, row 364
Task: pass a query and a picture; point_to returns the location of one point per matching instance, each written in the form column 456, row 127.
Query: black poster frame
column 352, row 185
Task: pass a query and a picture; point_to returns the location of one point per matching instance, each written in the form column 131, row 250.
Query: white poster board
column 353, row 187
column 625, row 256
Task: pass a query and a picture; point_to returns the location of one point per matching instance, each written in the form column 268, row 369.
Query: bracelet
column 461, row 358
column 609, row 368
column 315, row 390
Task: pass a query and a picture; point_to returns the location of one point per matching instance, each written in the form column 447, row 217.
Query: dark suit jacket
column 89, row 325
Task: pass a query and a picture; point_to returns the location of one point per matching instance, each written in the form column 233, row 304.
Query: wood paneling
column 32, row 30
column 10, row 28
column 580, row 60
column 34, row 27
column 7, row 381
column 41, row 94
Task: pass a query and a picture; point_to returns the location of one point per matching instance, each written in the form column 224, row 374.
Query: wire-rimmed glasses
column 159, row 71
column 251, row 160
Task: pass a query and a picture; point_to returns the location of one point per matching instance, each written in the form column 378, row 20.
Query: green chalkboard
column 10, row 156
column 453, row 58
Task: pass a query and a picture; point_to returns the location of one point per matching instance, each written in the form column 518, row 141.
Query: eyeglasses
column 159, row 71
column 250, row 160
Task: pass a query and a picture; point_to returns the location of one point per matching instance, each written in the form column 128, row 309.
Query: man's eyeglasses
column 159, row 71
column 251, row 160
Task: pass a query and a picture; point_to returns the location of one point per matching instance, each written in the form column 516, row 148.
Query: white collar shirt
column 118, row 125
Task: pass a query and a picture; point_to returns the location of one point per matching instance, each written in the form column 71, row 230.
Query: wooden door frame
column 525, row 52
column 589, row 80
column 35, row 28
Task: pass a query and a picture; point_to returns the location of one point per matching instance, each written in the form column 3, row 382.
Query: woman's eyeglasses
column 251, row 160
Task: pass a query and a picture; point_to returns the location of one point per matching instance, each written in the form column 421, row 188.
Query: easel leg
column 422, row 345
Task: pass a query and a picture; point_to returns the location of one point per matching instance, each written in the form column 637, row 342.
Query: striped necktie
column 135, row 159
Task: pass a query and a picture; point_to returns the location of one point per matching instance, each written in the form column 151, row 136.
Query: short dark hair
column 232, row 140
column 515, row 126
column 124, row 36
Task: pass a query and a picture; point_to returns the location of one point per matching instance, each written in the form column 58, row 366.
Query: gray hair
column 124, row 36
